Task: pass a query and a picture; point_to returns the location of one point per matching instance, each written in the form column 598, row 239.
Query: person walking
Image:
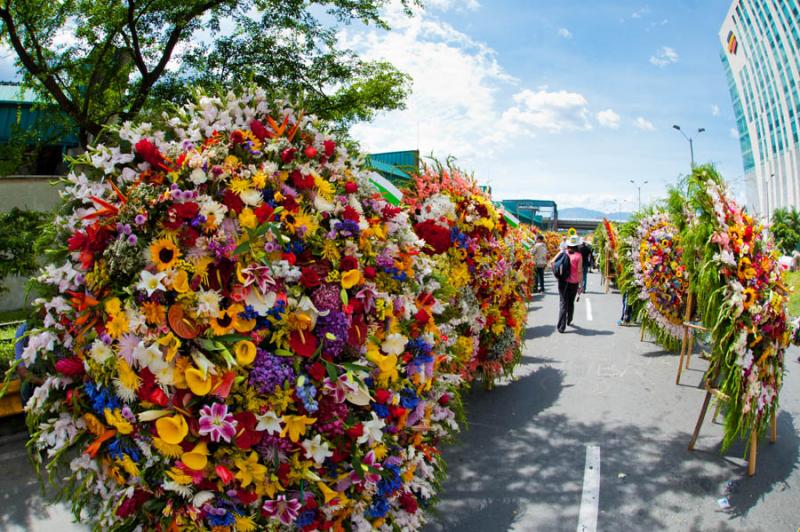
column 586, row 254
column 540, row 260
column 570, row 287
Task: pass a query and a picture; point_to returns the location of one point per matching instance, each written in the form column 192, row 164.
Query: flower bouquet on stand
column 738, row 283
column 239, row 333
column 466, row 234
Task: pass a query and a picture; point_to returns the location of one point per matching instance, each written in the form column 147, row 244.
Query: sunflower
column 164, row 253
column 223, row 322
column 749, row 297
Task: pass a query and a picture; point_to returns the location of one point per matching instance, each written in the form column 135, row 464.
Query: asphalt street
column 522, row 462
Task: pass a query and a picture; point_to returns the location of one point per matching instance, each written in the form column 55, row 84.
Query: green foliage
column 785, row 227
column 18, row 231
column 103, row 62
column 793, row 283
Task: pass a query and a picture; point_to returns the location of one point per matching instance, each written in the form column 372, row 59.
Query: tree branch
column 137, row 52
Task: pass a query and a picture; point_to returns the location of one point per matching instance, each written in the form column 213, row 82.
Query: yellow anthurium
column 197, row 458
column 172, row 429
column 350, row 278
column 327, row 493
column 180, row 283
column 387, row 364
column 198, row 382
column 245, row 352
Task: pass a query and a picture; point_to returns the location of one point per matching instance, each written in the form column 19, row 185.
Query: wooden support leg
column 689, row 348
column 641, row 336
column 680, row 361
column 700, row 421
column 751, row 464
column 773, row 433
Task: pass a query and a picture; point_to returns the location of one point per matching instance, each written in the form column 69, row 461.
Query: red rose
column 247, row 497
column 290, row 204
column 348, row 263
column 444, row 400
column 237, row 137
column 381, row 396
column 264, row 212
column 422, row 316
column 233, row 201
column 408, row 502
column 309, row 277
column 310, row 152
column 291, row 258
column 157, row 396
column 71, row 367
column 355, row 431
column 317, row 371
column 437, row 237
column 330, row 147
column 370, row 272
column 189, row 236
column 287, row 155
column 350, row 187
column 149, row 153
column 259, row 130
column 303, row 344
column 301, row 181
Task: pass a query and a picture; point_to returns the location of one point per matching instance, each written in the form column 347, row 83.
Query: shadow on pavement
column 577, row 329
column 540, row 331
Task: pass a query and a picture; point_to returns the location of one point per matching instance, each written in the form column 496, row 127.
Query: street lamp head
column 701, row 130
column 644, row 182
column 632, row 181
column 676, row 126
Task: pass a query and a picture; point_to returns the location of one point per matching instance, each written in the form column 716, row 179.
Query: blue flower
column 379, row 508
column 305, row 518
column 381, row 410
column 408, row 398
column 391, row 482
column 101, row 398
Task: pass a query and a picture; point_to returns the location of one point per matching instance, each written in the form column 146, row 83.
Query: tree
column 786, row 229
column 103, row 61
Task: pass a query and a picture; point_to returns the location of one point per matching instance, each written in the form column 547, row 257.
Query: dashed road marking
column 588, row 309
column 587, row 518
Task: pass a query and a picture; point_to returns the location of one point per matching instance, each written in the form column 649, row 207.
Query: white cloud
column 608, row 118
column 564, row 32
column 715, row 110
column 664, row 56
column 446, row 5
column 644, row 124
column 549, row 111
column 639, row 13
column 734, row 133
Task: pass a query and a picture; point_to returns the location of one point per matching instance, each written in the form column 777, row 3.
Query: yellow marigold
column 259, row 179
column 324, row 187
column 239, row 184
column 117, row 326
column 154, row 313
column 167, row 449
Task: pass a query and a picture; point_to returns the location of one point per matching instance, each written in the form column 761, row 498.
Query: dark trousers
column 566, row 292
column 539, row 278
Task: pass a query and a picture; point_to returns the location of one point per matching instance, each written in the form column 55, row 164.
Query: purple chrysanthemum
column 217, row 423
column 273, row 448
column 332, row 330
column 326, row 297
column 269, row 371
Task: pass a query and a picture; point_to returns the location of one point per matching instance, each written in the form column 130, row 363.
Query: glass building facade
column 761, row 57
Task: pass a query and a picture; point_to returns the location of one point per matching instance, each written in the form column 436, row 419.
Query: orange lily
column 95, row 446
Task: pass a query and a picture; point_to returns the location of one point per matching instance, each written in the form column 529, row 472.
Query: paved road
column 521, row 463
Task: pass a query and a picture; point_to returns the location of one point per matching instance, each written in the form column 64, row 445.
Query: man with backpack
column 568, row 270
column 540, row 259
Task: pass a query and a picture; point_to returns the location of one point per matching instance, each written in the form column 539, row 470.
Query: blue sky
column 564, row 100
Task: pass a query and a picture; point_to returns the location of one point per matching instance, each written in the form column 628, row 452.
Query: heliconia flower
column 217, row 423
column 285, row 510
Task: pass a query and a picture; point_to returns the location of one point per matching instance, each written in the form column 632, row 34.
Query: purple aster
column 216, row 422
column 269, row 371
column 384, row 259
column 274, row 449
column 327, row 298
column 332, row 330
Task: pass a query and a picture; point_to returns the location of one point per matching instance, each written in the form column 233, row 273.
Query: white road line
column 588, row 309
column 587, row 519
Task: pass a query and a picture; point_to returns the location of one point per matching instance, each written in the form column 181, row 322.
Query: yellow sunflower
column 164, row 253
column 749, row 296
column 222, row 323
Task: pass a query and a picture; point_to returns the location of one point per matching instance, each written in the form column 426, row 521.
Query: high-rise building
column 761, row 56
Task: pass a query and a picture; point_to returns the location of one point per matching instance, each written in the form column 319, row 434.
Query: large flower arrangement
column 607, row 243
column 553, row 242
column 738, row 284
column 654, row 276
column 241, row 334
column 466, row 235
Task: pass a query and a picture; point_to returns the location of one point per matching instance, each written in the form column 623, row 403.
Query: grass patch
column 793, row 282
column 6, row 347
column 13, row 315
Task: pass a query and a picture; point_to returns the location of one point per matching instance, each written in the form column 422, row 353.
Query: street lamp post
column 767, row 181
column 690, row 139
column 639, row 189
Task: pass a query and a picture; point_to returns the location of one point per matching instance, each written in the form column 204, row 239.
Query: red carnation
column 422, row 316
column 237, row 137
column 233, row 201
column 330, row 147
column 310, row 152
column 259, row 130
column 370, row 272
column 348, row 263
column 301, row 181
column 355, row 431
column 350, row 187
column 224, row 474
column 408, row 502
column 381, row 396
column 77, row 241
column 149, row 153
column 436, row 237
column 71, row 367
column 350, row 213
column 317, row 371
